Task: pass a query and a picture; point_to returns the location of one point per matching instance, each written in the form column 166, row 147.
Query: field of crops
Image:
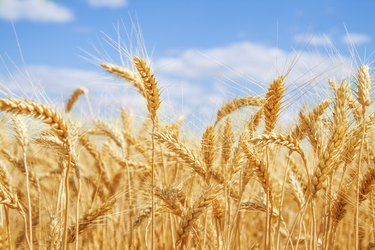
column 107, row 185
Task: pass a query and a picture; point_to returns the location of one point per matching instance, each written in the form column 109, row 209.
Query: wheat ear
column 150, row 86
column 227, row 140
column 367, row 183
column 208, row 143
column 259, row 169
column 125, row 74
column 280, row 139
column 364, row 85
column 236, row 104
column 39, row 111
column 73, row 98
column 182, row 152
column 254, row 122
column 193, row 214
column 306, row 122
column 272, row 104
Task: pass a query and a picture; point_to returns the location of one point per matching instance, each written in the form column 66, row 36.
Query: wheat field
column 106, row 186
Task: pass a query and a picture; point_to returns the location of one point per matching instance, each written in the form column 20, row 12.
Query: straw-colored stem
column 153, row 186
column 66, row 212
column 30, row 216
column 77, row 212
column 356, row 221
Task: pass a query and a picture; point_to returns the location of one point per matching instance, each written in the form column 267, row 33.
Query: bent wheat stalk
column 236, row 104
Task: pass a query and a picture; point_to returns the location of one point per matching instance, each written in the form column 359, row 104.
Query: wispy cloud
column 34, row 10
column 107, row 3
column 313, row 39
column 356, row 38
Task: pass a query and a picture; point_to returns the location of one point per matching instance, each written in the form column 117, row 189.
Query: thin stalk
column 66, row 214
column 358, row 181
column 130, row 206
column 153, row 186
column 30, row 216
column 299, row 219
column 77, row 210
column 281, row 206
column 314, row 238
column 25, row 225
column 237, row 207
column 330, row 217
column 268, row 217
column 205, row 231
column 8, row 228
column 226, row 212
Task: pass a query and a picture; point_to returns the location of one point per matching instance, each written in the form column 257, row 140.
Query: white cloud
column 257, row 61
column 356, row 38
column 34, row 10
column 195, row 83
column 107, row 3
column 247, row 68
column 313, row 39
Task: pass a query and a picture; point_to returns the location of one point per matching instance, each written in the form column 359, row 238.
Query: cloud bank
column 34, row 10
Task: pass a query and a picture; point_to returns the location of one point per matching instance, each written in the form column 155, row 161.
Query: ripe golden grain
column 149, row 188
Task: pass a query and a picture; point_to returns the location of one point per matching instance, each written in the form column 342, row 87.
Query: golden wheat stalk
column 329, row 160
column 153, row 103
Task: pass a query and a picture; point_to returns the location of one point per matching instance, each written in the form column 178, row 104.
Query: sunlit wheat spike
column 272, row 103
column 127, row 75
column 364, row 82
column 150, row 86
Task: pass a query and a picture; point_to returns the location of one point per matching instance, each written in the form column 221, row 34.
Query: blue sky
column 176, row 25
column 206, row 48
